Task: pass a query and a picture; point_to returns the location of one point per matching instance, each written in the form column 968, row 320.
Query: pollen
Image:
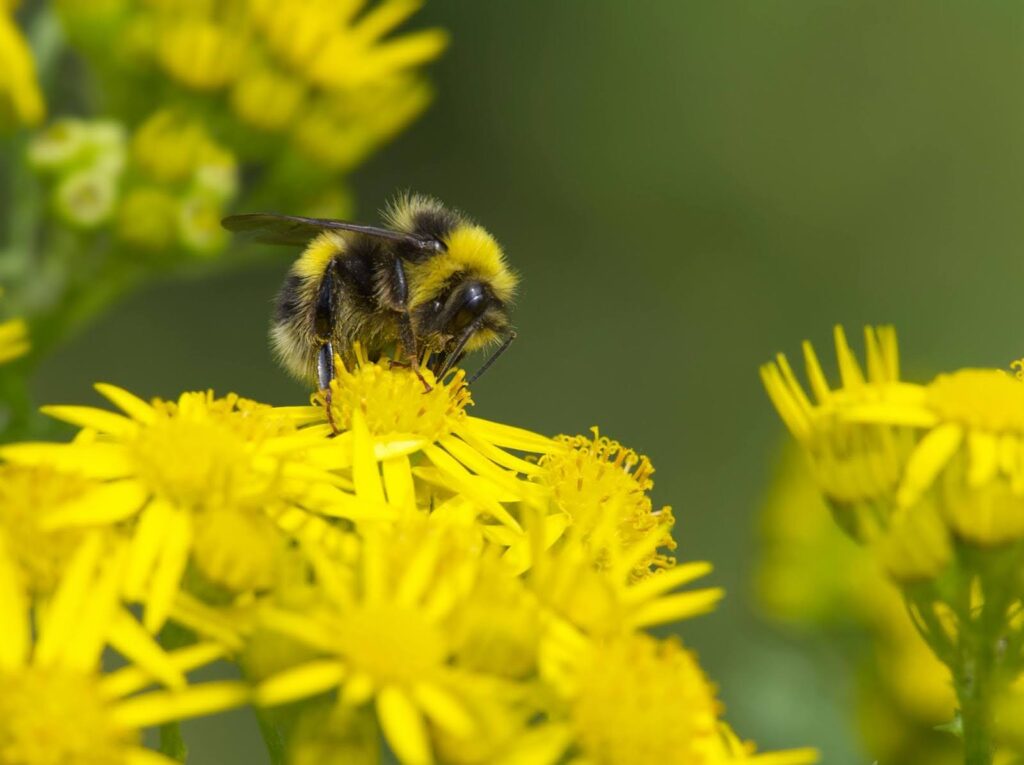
column 394, row 401
column 392, row 643
column 981, row 399
column 27, row 495
column 54, row 716
column 640, row 700
column 593, row 479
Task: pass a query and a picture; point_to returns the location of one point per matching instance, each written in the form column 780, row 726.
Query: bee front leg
column 406, row 334
column 325, row 376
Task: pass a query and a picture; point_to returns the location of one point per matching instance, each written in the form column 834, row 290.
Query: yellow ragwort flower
column 636, row 699
column 384, row 639
column 594, row 479
column 200, row 478
column 856, row 467
column 55, row 704
column 456, row 453
column 20, row 96
column 969, row 459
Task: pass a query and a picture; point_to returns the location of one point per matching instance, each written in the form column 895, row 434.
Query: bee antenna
column 493, row 357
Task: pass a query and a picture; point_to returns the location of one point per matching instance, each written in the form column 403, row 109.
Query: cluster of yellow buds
column 930, row 478
column 463, row 590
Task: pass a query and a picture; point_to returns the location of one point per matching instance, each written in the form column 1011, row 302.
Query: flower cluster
column 930, row 478
column 463, row 590
column 818, row 584
column 329, row 81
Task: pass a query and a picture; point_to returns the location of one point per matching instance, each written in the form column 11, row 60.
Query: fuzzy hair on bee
column 429, row 284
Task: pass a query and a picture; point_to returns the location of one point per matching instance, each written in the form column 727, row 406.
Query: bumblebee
column 431, row 284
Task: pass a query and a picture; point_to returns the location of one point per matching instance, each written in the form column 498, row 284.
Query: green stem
column 973, row 688
column 171, row 742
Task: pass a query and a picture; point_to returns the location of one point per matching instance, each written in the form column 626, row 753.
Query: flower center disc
column 986, row 399
column 392, row 643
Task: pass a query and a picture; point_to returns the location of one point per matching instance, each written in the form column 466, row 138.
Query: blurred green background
column 686, row 188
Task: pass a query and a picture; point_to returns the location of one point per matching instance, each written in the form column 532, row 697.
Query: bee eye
column 436, row 305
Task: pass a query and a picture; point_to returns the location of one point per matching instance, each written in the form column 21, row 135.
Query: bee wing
column 295, row 230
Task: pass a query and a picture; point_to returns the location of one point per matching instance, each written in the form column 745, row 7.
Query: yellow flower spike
column 20, row 95
column 55, row 704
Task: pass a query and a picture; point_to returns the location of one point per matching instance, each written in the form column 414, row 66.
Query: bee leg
column 325, row 374
column 406, row 335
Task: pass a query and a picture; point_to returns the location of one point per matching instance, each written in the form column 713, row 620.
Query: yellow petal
column 106, row 504
column 129, row 639
column 134, row 678
column 930, row 456
column 365, row 473
column 66, row 606
column 92, row 460
column 983, row 449
column 493, row 453
column 303, row 681
column 542, row 745
column 129, row 403
column 663, row 581
column 169, row 570
column 15, row 636
column 419, row 572
column 90, row 417
column 509, row 436
column 398, row 483
column 97, row 613
column 145, row 547
column 403, row 726
column 194, row 701
column 444, row 709
column 672, row 608
column 459, row 479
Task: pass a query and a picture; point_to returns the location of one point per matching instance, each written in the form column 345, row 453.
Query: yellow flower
column 55, row 705
column 199, row 478
column 856, row 466
column 333, row 48
column 970, row 454
column 608, row 599
column 384, row 639
column 594, row 480
column 387, row 418
column 20, row 96
column 635, row 699
column 814, row 577
column 13, row 340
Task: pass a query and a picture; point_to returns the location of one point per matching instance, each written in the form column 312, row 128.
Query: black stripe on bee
column 289, row 300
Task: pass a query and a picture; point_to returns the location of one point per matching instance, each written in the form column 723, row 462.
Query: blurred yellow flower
column 55, row 705
column 811, row 576
column 636, row 699
column 14, row 341
column 21, row 100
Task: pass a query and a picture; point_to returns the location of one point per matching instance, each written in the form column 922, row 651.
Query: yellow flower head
column 55, row 705
column 594, row 479
column 384, row 638
column 394, row 402
column 636, row 699
column 387, row 420
column 855, row 466
column 196, row 478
